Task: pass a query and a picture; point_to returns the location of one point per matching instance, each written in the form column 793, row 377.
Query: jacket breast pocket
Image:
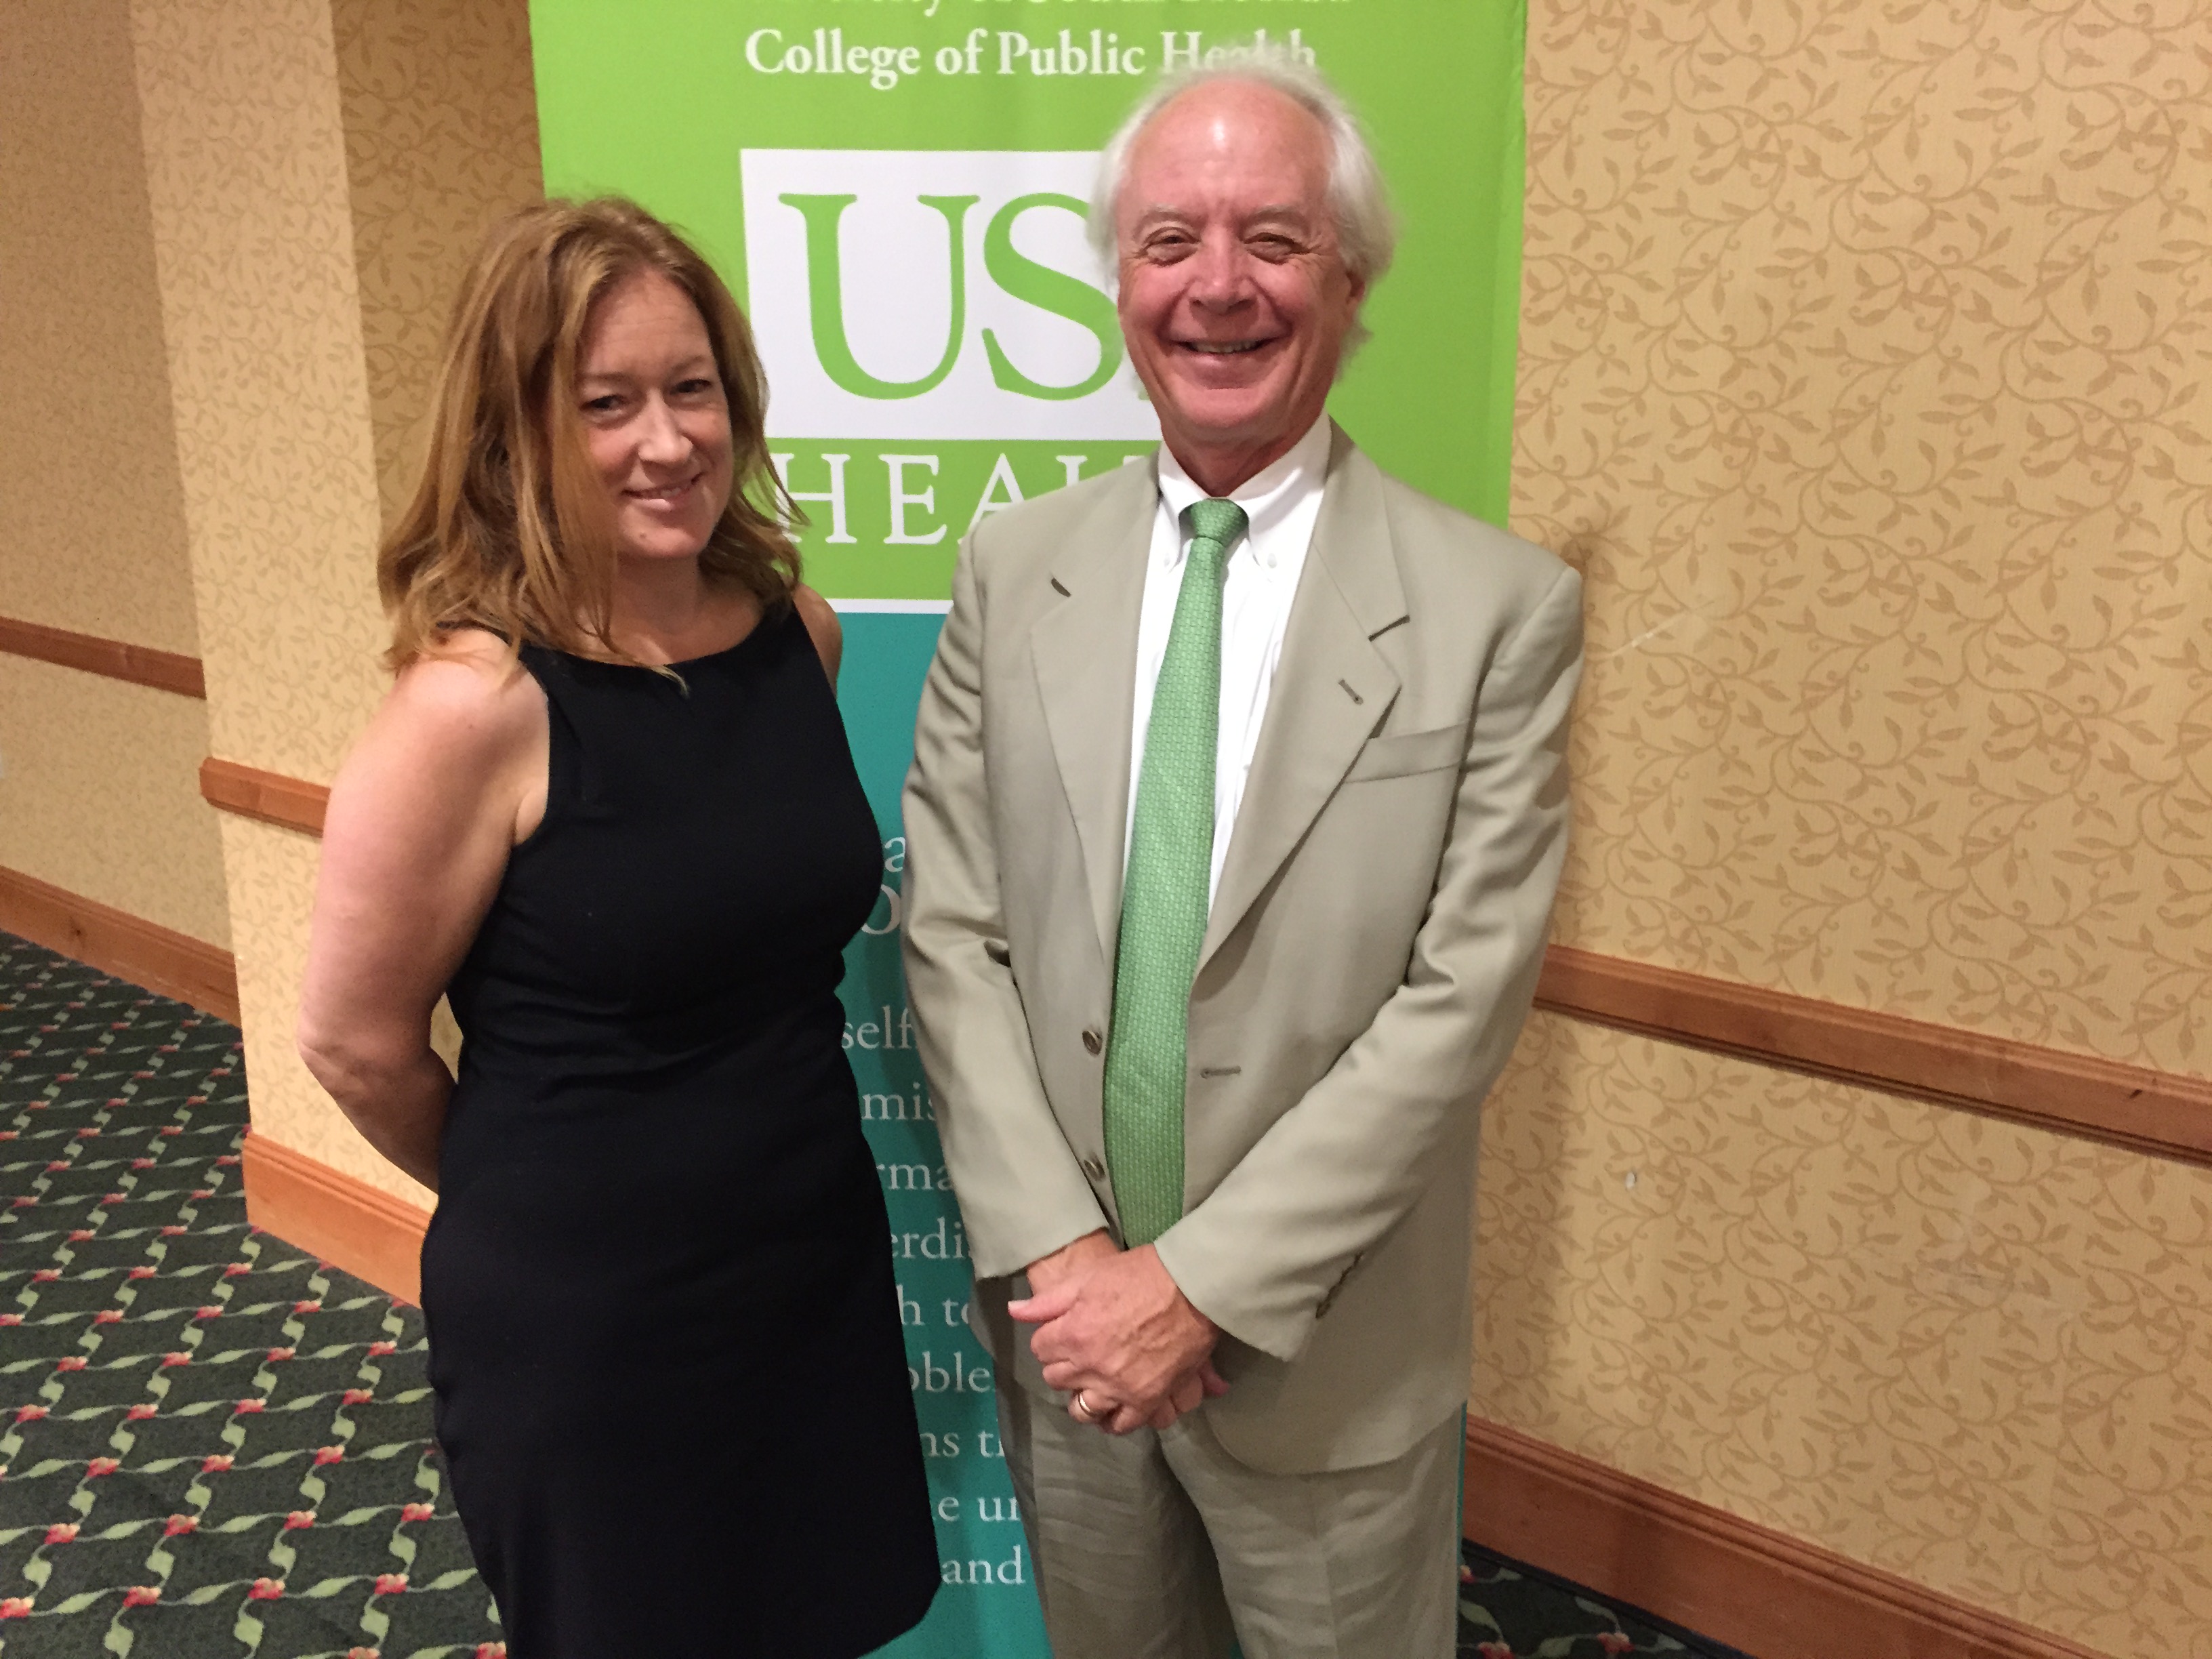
column 1406, row 753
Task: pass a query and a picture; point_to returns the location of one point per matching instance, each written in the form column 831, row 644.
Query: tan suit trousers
column 1162, row 1545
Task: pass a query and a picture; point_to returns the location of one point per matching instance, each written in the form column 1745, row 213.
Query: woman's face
column 656, row 424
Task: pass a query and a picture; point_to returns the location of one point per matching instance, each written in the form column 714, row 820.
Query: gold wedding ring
column 1083, row 1408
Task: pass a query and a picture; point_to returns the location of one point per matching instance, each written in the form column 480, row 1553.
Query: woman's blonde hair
column 510, row 529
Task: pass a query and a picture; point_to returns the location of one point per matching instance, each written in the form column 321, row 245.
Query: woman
column 608, row 809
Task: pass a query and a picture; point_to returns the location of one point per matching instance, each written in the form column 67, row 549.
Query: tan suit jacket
column 1370, row 956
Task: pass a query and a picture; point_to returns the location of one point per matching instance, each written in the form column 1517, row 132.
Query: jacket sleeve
column 1331, row 1176
column 1022, row 1192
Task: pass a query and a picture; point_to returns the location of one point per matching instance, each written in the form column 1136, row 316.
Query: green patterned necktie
column 1164, row 895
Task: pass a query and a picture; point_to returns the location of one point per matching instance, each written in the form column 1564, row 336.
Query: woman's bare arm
column 449, row 775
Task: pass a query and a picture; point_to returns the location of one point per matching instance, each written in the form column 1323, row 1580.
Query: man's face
column 1234, row 297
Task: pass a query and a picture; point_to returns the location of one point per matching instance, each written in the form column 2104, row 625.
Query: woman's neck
column 665, row 611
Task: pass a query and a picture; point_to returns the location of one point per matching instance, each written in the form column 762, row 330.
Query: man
column 1237, row 806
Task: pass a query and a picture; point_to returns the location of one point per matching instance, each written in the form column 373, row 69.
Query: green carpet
column 213, row 1444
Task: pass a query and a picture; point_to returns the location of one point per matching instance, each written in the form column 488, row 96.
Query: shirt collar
column 1267, row 496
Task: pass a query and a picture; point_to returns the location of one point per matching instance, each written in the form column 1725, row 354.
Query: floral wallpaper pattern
column 245, row 163
column 100, row 795
column 1862, row 365
column 1973, row 1353
column 98, row 791
column 442, row 137
column 92, row 526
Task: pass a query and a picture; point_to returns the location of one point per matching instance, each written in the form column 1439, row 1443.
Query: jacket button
column 1094, row 1169
column 1092, row 1042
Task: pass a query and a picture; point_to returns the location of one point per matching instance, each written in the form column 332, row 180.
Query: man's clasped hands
column 1117, row 1337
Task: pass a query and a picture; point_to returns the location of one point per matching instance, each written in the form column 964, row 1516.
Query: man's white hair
column 1366, row 232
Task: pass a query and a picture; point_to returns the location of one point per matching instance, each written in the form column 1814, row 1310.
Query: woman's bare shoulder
column 469, row 696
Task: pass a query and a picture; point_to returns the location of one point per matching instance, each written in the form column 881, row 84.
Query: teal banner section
column 989, row 1605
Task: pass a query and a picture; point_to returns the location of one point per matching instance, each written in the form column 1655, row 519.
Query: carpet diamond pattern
column 213, row 1444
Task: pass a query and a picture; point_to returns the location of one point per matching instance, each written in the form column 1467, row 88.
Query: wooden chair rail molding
column 144, row 952
column 269, row 796
column 119, row 660
column 1716, row 1573
column 2166, row 1113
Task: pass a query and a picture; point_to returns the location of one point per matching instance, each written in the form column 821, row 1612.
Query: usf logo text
column 936, row 293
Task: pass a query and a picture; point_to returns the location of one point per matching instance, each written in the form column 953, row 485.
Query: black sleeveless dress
column 670, row 1386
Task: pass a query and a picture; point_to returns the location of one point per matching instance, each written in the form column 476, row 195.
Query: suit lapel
column 1083, row 652
column 1332, row 687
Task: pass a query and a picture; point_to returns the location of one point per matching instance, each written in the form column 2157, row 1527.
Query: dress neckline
column 761, row 626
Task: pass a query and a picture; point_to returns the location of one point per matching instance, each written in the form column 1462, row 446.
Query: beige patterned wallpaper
column 97, row 779
column 1862, row 356
column 440, row 119
column 1861, row 352
column 92, row 528
column 245, row 163
column 100, row 795
column 1975, row 1354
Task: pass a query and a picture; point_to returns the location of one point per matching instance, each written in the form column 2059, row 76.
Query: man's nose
column 1222, row 278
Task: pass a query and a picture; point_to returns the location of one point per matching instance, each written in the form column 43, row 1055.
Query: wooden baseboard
column 144, row 952
column 117, row 660
column 343, row 1219
column 1713, row 1572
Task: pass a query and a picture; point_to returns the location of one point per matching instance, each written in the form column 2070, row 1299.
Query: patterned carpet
column 213, row 1445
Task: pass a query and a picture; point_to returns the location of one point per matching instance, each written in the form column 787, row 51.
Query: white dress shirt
column 1281, row 506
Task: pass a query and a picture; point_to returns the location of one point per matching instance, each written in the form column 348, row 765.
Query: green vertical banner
column 895, row 189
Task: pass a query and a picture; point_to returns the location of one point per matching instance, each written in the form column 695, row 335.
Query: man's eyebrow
column 1161, row 213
